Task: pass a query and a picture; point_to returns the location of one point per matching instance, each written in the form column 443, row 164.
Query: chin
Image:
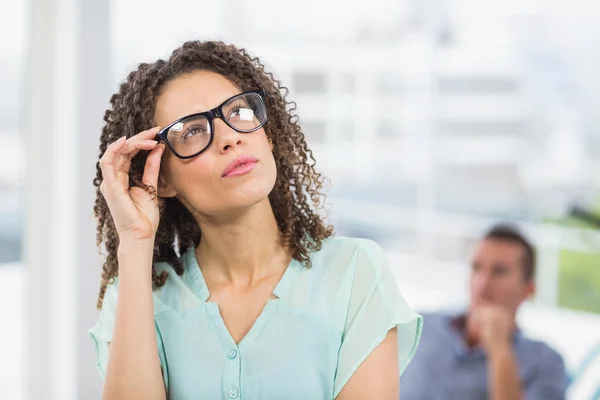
column 246, row 201
column 249, row 193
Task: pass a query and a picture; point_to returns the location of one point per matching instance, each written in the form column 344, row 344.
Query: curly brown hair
column 132, row 110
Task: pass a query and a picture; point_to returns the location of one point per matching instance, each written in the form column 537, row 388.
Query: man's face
column 497, row 276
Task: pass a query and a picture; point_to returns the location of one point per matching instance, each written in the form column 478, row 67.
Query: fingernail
column 121, row 139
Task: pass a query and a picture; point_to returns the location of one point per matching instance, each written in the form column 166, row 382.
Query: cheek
column 257, row 188
column 518, row 291
column 264, row 182
column 270, row 167
column 188, row 176
column 507, row 290
column 477, row 282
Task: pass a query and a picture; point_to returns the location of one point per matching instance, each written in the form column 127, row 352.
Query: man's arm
column 495, row 329
column 503, row 370
column 549, row 381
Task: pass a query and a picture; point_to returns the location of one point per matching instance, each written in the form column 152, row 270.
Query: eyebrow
column 211, row 108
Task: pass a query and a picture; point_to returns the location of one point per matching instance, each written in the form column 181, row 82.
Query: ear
column 529, row 290
column 270, row 142
column 164, row 189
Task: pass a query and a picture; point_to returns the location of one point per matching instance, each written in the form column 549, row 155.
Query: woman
column 230, row 285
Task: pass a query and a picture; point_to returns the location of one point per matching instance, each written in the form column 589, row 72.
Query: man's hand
column 493, row 326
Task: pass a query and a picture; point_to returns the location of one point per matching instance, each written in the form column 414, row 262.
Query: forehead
column 191, row 93
column 498, row 251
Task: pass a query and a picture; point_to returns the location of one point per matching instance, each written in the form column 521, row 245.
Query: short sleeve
column 550, row 381
column 102, row 332
column 375, row 307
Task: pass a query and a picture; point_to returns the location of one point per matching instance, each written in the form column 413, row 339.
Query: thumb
column 152, row 167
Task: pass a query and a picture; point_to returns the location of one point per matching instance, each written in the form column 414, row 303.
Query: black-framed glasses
column 191, row 135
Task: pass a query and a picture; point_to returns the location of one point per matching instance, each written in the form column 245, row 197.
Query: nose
column 226, row 138
column 482, row 285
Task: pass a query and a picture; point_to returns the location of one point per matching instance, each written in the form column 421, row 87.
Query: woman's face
column 203, row 182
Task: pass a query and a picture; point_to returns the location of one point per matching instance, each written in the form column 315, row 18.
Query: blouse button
column 233, row 354
column 233, row 393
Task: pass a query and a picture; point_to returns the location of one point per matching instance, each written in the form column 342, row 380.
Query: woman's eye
column 244, row 113
column 192, row 132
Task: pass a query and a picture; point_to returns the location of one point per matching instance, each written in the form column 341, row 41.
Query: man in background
column 481, row 353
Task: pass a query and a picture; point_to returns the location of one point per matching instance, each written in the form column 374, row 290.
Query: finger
column 144, row 135
column 113, row 159
column 152, row 168
column 137, row 145
column 130, row 150
column 107, row 162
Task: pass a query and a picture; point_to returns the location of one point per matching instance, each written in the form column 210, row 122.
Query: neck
column 242, row 247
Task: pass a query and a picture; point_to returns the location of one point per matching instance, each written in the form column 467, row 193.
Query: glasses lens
column 190, row 136
column 246, row 112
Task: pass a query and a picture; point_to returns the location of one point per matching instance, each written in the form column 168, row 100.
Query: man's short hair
column 512, row 234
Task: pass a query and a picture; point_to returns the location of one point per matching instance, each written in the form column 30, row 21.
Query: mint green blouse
column 306, row 343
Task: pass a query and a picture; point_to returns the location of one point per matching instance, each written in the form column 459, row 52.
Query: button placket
column 233, row 379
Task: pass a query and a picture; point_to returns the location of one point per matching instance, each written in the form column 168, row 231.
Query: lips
column 240, row 166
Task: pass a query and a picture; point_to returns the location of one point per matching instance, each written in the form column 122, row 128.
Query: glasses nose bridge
column 213, row 114
column 217, row 112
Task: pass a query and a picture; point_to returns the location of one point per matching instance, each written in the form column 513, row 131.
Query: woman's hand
column 134, row 209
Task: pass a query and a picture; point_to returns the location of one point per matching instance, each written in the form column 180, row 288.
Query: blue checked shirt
column 444, row 368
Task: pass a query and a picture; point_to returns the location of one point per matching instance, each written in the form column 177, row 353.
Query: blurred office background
column 432, row 118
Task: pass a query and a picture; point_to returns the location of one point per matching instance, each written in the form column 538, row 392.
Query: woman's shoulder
column 339, row 264
column 341, row 244
column 346, row 254
column 343, row 272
